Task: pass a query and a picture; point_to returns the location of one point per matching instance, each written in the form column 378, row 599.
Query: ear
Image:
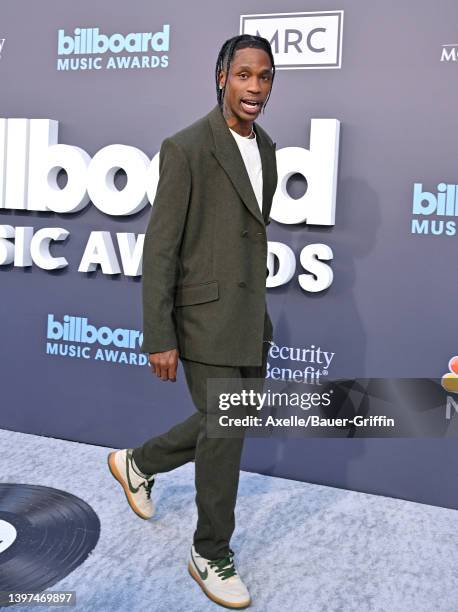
column 222, row 79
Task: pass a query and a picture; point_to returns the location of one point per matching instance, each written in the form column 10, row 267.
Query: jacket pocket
column 198, row 293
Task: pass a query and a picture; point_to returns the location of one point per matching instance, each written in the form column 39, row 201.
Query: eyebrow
column 249, row 68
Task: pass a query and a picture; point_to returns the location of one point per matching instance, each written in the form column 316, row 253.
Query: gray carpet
column 299, row 546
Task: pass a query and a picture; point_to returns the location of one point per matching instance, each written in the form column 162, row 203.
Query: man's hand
column 165, row 364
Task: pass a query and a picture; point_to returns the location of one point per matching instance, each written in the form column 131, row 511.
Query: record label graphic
column 45, row 534
column 7, row 535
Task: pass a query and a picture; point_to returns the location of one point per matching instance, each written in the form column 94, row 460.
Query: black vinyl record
column 45, row 534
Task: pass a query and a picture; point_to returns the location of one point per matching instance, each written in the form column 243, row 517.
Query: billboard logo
column 2, row 44
column 90, row 42
column 32, row 159
column 449, row 53
column 300, row 40
column 114, row 345
column 77, row 329
column 442, row 204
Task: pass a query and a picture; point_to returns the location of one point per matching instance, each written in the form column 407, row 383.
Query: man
column 204, row 302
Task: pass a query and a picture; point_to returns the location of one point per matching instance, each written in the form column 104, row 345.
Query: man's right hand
column 165, row 364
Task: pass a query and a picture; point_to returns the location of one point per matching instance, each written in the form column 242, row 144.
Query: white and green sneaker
column 137, row 488
column 219, row 580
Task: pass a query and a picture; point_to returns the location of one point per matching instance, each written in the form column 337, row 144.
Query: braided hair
column 227, row 53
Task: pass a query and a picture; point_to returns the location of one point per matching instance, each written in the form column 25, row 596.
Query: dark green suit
column 205, row 251
column 204, row 286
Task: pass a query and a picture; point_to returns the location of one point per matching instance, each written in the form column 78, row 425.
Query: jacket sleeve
column 161, row 249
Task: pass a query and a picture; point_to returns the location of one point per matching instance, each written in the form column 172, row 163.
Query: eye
column 243, row 75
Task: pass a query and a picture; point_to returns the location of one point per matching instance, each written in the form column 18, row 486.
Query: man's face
column 249, row 80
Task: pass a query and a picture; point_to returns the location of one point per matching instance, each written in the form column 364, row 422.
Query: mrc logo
column 449, row 53
column 300, row 40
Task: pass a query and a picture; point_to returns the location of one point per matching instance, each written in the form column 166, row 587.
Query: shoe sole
column 117, row 476
column 221, row 602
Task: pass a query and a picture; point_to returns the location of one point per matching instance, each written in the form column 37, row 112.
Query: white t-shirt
column 250, row 154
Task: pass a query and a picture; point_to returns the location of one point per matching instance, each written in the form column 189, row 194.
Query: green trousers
column 217, row 460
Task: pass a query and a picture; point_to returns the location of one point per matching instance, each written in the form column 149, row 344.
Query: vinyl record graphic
column 44, row 535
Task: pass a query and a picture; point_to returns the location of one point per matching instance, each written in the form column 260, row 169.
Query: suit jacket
column 205, row 249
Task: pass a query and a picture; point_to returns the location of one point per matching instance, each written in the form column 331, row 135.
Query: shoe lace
column 148, row 484
column 224, row 567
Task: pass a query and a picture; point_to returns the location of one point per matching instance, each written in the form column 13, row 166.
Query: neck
column 244, row 128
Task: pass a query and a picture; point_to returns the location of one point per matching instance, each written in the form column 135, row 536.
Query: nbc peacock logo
column 449, row 380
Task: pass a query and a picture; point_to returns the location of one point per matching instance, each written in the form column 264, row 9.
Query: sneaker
column 219, row 580
column 136, row 488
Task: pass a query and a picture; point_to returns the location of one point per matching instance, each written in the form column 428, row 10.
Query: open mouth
column 251, row 106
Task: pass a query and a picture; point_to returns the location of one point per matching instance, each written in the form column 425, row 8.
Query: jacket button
column 245, row 233
column 259, row 234
column 242, row 284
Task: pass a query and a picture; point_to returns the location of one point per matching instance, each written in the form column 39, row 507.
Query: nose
column 254, row 85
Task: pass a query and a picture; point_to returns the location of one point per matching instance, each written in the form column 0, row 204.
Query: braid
column 223, row 63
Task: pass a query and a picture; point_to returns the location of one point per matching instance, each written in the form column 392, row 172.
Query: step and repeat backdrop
column 362, row 239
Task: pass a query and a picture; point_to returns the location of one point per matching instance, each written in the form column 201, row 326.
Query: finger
column 153, row 367
column 172, row 373
column 157, row 369
column 164, row 372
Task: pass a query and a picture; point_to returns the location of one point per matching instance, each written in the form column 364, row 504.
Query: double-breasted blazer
column 205, row 248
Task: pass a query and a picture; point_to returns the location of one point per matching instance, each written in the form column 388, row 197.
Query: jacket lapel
column 229, row 157
column 267, row 152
